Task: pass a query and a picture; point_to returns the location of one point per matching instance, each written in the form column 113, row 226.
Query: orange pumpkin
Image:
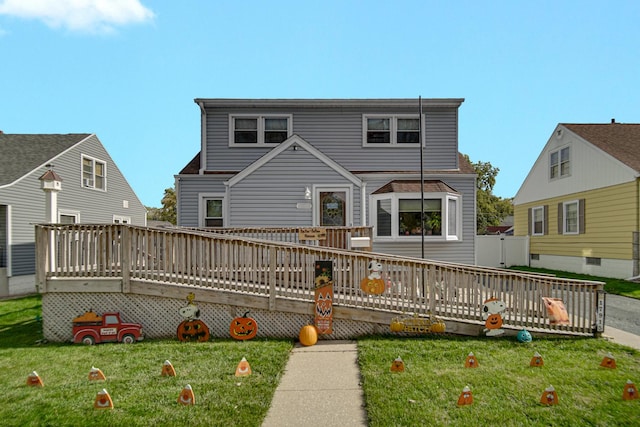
column 193, row 330
column 243, row 328
column 438, row 327
column 396, row 325
column 372, row 286
column 308, row 335
column 494, row 321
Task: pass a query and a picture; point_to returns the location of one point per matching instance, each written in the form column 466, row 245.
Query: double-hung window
column 380, row 130
column 560, row 163
column 571, row 217
column 537, row 221
column 253, row 130
column 94, row 173
column 211, row 210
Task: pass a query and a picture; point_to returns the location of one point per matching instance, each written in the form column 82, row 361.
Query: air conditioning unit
column 87, row 182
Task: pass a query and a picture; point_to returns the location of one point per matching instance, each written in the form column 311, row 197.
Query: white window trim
column 396, row 237
column 393, row 129
column 202, row 207
column 533, row 221
column 68, row 212
column 261, row 128
column 559, row 152
column 92, row 185
column 317, row 189
column 565, row 216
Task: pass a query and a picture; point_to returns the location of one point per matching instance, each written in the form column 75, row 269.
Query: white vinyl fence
column 502, row 251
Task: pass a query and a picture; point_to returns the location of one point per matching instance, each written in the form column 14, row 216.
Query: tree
column 168, row 210
column 491, row 209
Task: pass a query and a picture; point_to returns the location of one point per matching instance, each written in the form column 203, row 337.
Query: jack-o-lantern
column 396, row 325
column 494, row 321
column 193, row 330
column 243, row 328
column 524, row 336
column 308, row 335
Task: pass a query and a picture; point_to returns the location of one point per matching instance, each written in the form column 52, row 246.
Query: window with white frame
column 571, row 217
column 537, row 221
column 398, row 216
column 119, row 219
column 252, row 130
column 213, row 212
column 94, row 173
column 390, row 129
column 560, row 163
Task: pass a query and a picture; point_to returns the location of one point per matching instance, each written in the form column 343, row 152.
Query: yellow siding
column 611, row 217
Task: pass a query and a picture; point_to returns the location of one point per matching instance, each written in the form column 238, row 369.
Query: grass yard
column 506, row 390
column 141, row 396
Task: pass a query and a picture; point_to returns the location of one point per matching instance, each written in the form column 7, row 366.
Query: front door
column 333, row 208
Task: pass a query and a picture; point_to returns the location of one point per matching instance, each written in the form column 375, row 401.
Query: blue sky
column 128, row 70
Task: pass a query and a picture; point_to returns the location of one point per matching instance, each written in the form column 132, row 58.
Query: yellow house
column 580, row 202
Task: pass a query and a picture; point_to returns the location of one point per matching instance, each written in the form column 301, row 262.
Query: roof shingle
column 620, row 140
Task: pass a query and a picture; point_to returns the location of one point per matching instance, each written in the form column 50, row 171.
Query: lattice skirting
column 160, row 317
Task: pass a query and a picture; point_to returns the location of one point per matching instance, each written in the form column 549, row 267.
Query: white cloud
column 79, row 15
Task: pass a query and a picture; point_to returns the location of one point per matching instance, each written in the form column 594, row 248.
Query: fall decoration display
column 243, row 328
column 193, row 330
column 96, row 374
column 167, row 369
column 466, row 397
column 608, row 361
column 630, row 391
column 308, row 335
column 471, row 361
column 417, row 325
column 536, row 360
column 34, row 380
column 243, row 369
column 524, row 336
column 549, row 396
column 396, row 325
column 492, row 315
column 373, row 283
column 397, row 365
column 103, row 400
column 556, row 311
column 323, row 293
column 186, row 396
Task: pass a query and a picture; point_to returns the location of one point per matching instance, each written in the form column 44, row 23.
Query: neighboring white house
column 93, row 191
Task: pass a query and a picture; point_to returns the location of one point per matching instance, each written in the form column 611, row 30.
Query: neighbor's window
column 571, row 217
column 560, row 163
column 391, row 130
column 94, row 173
column 258, row 130
column 213, row 213
column 537, row 220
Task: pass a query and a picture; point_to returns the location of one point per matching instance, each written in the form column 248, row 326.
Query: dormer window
column 382, row 130
column 252, row 130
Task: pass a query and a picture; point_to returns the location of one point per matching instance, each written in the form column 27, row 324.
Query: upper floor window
column 94, row 173
column 390, row 130
column 252, row 130
column 560, row 163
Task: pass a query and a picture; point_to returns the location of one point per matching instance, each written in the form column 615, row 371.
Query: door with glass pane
column 332, row 208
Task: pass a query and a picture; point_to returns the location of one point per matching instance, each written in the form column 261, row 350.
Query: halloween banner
column 324, row 297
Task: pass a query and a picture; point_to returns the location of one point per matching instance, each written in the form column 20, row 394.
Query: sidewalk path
column 320, row 386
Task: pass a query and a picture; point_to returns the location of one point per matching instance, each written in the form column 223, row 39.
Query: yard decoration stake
column 492, row 315
column 167, row 369
column 373, row 283
column 243, row 328
column 549, row 396
column 186, row 396
column 96, row 374
column 323, row 291
column 630, row 391
column 608, row 361
column 536, row 360
column 34, row 380
column 192, row 328
column 103, row 400
column 466, row 397
column 243, row 369
column 397, row 365
column 471, row 361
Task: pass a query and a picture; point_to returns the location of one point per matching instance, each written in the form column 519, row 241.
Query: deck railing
column 282, row 270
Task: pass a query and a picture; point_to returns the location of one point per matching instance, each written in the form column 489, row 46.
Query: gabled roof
column 620, row 140
column 23, row 153
column 413, row 186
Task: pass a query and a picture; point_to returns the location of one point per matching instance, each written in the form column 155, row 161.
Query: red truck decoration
column 92, row 329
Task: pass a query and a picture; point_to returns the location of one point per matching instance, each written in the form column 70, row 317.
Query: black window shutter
column 529, row 222
column 545, row 211
column 581, row 222
column 560, row 219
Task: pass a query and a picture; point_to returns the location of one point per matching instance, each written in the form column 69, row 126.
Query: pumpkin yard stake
column 397, row 365
column 243, row 369
column 243, row 328
column 466, row 397
column 374, row 283
column 471, row 361
column 536, row 360
column 96, row 374
column 608, row 361
column 630, row 391
column 549, row 396
column 34, row 380
column 103, row 400
column 192, row 328
column 167, row 369
column 186, row 396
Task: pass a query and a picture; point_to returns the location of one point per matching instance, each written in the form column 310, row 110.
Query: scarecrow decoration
column 192, row 328
column 324, row 297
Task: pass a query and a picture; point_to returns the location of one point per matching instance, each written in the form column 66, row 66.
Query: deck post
column 272, row 278
column 41, row 258
column 126, row 258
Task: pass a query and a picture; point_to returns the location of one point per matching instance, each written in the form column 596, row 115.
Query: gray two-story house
column 333, row 162
column 92, row 190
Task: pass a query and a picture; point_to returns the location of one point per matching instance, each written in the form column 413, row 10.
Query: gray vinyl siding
column 270, row 195
column 190, row 188
column 338, row 134
column 27, row 200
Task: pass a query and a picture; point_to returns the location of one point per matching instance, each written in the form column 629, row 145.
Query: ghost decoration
column 492, row 315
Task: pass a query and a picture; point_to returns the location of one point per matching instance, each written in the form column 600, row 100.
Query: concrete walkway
column 320, row 386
